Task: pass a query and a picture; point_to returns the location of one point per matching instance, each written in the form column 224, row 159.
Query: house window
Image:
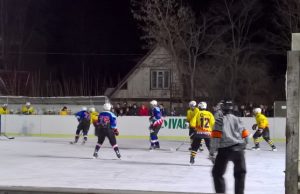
column 160, row 79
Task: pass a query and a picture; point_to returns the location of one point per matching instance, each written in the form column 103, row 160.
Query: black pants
column 237, row 156
column 102, row 133
column 265, row 134
column 196, row 141
column 83, row 126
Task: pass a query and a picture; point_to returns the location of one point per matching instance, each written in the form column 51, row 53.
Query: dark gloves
column 254, row 127
column 116, row 131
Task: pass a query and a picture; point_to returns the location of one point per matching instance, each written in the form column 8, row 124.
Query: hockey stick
column 181, row 144
column 7, row 136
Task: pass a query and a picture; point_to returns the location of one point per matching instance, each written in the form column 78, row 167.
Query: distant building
column 155, row 76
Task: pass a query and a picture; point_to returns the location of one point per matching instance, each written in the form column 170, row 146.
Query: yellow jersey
column 191, row 115
column 63, row 112
column 27, row 110
column 94, row 117
column 205, row 121
column 261, row 121
column 3, row 112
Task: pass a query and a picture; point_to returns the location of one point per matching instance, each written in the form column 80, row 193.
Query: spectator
column 4, row 110
column 127, row 111
column 173, row 112
column 249, row 109
column 242, row 110
column 163, row 110
column 118, row 109
column 124, row 106
column 121, row 112
column 143, row 111
column 236, row 111
column 27, row 109
column 64, row 111
column 134, row 110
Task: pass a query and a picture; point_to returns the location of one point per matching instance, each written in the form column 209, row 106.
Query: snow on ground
column 53, row 162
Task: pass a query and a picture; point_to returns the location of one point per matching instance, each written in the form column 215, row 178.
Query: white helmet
column 4, row 105
column 192, row 104
column 202, row 105
column 107, row 106
column 27, row 103
column 257, row 110
column 84, row 108
column 153, row 103
column 92, row 109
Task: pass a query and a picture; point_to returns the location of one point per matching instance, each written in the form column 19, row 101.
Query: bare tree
column 235, row 54
column 175, row 27
column 286, row 20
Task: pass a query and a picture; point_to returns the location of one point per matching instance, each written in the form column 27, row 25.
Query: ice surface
column 53, row 162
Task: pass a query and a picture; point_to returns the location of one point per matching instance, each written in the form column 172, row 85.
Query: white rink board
column 127, row 125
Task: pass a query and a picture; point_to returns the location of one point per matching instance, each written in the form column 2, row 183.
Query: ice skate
column 118, row 154
column 73, row 142
column 255, row 148
column 95, row 155
column 192, row 160
column 83, row 142
column 152, row 147
column 274, row 149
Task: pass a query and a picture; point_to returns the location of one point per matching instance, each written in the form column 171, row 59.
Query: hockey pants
column 153, row 135
column 83, row 126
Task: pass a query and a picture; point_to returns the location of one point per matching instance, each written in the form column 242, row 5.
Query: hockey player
column 156, row 122
column 229, row 138
column 94, row 116
column 4, row 110
column 202, row 123
column 27, row 109
column 107, row 127
column 190, row 116
column 84, row 120
column 262, row 129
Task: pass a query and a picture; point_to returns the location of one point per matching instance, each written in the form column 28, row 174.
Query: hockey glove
column 260, row 130
column 116, row 131
column 254, row 127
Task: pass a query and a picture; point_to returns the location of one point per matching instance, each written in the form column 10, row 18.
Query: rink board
column 128, row 125
column 45, row 165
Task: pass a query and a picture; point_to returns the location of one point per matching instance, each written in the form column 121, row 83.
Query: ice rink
column 38, row 163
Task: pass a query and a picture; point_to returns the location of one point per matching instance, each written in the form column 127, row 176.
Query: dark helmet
column 227, row 106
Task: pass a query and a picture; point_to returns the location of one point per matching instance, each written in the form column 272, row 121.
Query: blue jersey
column 82, row 115
column 156, row 113
column 107, row 119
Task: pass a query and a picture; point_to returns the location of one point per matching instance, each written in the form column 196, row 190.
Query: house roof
column 125, row 79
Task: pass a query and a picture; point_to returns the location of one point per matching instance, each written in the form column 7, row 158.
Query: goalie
column 107, row 127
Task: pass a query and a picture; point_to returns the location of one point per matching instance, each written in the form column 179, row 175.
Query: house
column 155, row 76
